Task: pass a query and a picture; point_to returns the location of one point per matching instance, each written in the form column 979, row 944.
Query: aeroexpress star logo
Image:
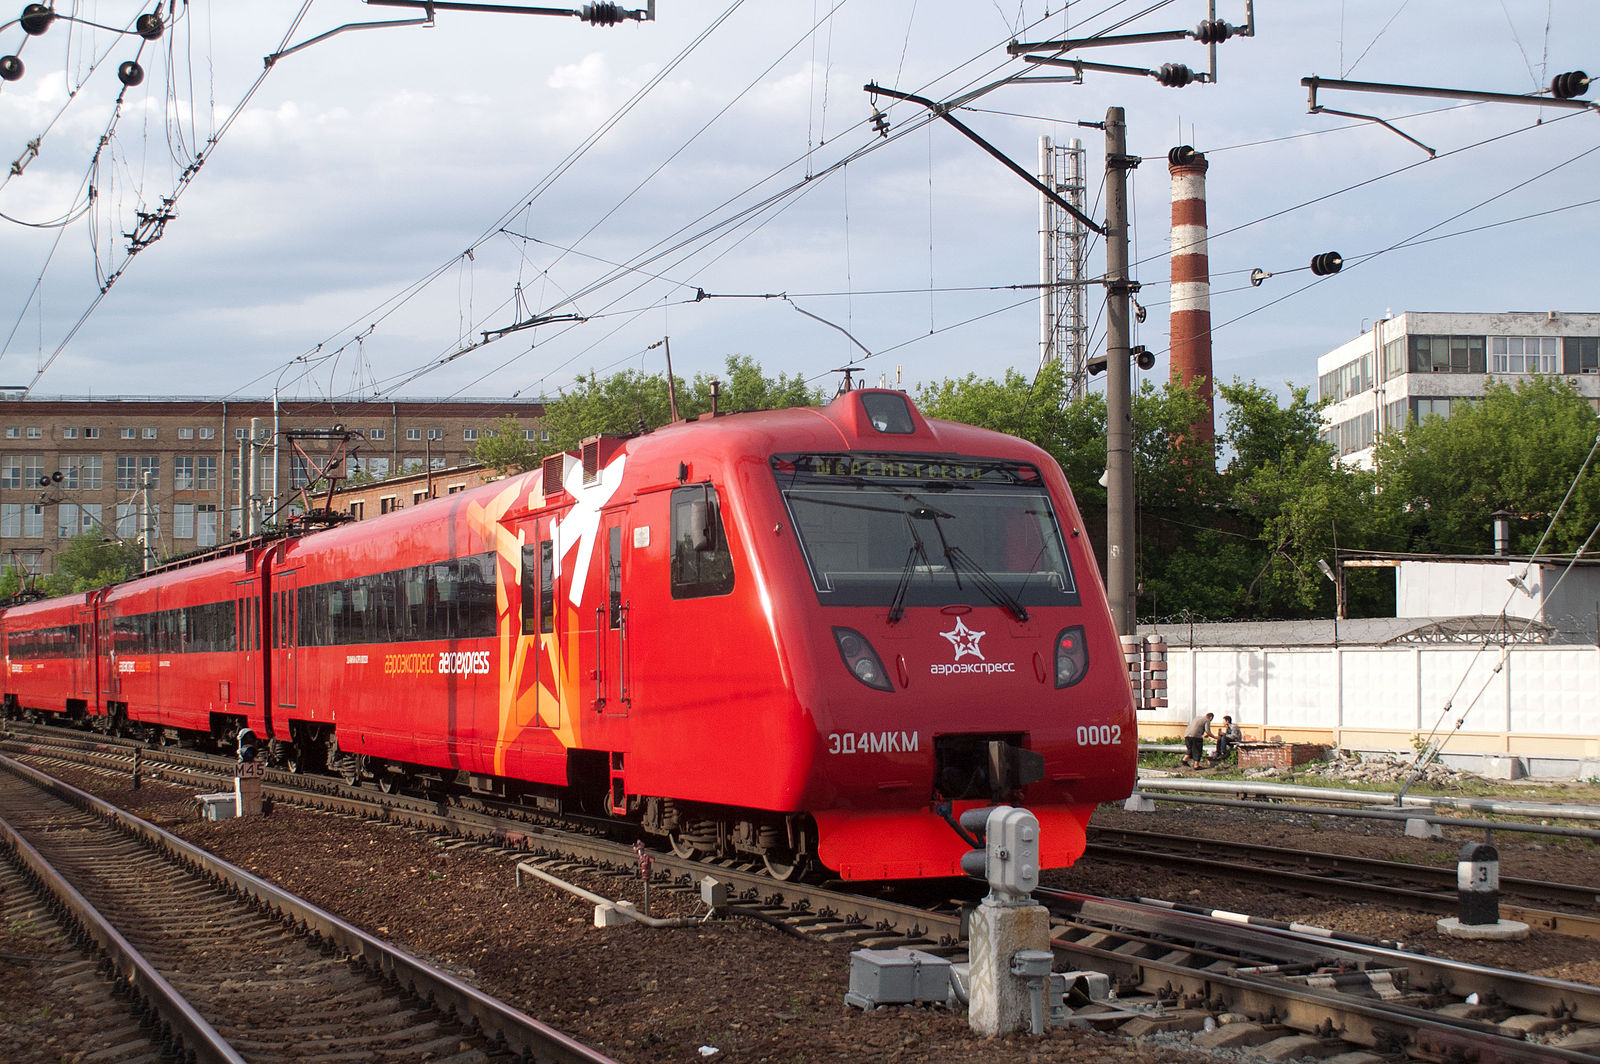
column 965, row 640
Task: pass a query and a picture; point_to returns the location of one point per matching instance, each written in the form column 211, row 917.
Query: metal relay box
column 897, row 977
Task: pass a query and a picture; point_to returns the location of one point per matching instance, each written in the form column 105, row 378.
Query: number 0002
column 1099, row 734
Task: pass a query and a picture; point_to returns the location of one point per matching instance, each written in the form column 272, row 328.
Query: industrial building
column 70, row 466
column 1417, row 365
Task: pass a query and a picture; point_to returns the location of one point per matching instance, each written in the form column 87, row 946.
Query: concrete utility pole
column 147, row 521
column 1120, row 587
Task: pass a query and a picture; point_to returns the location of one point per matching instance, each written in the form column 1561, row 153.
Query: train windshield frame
column 899, row 530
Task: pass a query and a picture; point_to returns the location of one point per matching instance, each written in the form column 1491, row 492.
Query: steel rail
column 519, row 1031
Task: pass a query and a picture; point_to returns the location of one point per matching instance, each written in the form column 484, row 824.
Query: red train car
column 811, row 636
column 178, row 649
column 49, row 657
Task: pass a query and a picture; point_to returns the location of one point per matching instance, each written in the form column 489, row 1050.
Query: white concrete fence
column 1525, row 710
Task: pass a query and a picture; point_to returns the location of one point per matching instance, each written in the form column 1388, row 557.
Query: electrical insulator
column 10, row 68
column 1326, row 263
column 130, row 73
column 1212, row 31
column 880, row 123
column 149, row 26
column 1182, row 155
column 602, row 14
column 1174, row 75
column 36, row 18
column 1566, row 86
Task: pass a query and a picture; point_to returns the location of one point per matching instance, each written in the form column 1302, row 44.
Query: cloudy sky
column 365, row 209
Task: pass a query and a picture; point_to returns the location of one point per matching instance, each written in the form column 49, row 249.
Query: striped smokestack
column 1190, row 356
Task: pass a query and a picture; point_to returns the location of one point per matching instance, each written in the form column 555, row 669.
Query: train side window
column 547, row 586
column 614, row 574
column 701, row 562
column 530, row 588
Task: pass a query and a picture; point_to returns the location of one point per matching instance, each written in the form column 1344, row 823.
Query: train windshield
column 913, row 530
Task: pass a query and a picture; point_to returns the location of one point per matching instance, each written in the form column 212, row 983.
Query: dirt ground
column 740, row 990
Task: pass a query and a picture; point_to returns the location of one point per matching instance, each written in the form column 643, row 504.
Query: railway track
column 1171, row 969
column 1565, row 908
column 225, row 967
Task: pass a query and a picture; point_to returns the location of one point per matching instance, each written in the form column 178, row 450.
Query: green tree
column 87, row 562
column 1517, row 449
column 507, row 449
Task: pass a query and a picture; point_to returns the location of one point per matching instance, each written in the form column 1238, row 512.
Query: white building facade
column 1417, row 365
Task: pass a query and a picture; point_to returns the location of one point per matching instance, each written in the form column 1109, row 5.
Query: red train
column 809, row 635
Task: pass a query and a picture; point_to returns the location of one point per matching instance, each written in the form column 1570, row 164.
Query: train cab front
column 974, row 661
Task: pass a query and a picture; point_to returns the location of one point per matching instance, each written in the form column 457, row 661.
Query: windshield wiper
column 991, row 588
column 897, row 608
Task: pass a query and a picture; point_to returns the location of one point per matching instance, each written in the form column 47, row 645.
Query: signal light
column 1009, row 860
column 1072, row 656
column 1326, row 263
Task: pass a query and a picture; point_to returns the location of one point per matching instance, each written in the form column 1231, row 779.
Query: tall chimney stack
column 1190, row 356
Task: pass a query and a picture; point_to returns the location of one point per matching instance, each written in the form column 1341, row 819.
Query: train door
column 285, row 639
column 611, row 622
column 83, row 660
column 539, row 683
column 247, row 628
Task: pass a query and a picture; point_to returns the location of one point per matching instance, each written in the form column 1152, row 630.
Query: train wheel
column 390, row 779
column 681, row 845
column 786, row 866
column 351, row 768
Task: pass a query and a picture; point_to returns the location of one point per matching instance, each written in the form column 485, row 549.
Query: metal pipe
column 1329, row 794
column 626, row 908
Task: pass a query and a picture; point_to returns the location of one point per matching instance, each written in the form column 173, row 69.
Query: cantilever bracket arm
column 425, row 20
column 1374, row 118
column 942, row 110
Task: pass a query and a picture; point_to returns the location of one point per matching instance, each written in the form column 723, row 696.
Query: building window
column 183, row 521
column 35, row 432
column 437, row 463
column 149, row 463
column 469, row 434
column 1423, row 409
column 356, row 509
column 208, row 434
column 10, row 520
column 1448, row 354
column 1353, row 435
column 1352, row 378
column 32, row 469
column 233, row 473
column 186, row 434
column 299, row 474
column 69, row 433
column 419, row 496
column 436, row 434
column 1581, row 354
column 375, row 434
column 183, row 472
column 13, row 432
column 205, row 473
column 205, row 525
column 11, row 472
column 1524, row 354
column 91, row 434
column 82, row 471
column 32, row 522
column 127, row 520
column 130, row 434
column 78, row 520
column 386, row 504
column 239, row 433
column 378, row 467
column 149, row 434
column 127, row 472
column 413, row 434
column 544, row 436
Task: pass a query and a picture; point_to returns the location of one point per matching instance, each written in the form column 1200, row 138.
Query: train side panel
column 49, row 662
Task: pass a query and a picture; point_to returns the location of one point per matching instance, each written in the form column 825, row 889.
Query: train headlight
column 861, row 659
column 1072, row 656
